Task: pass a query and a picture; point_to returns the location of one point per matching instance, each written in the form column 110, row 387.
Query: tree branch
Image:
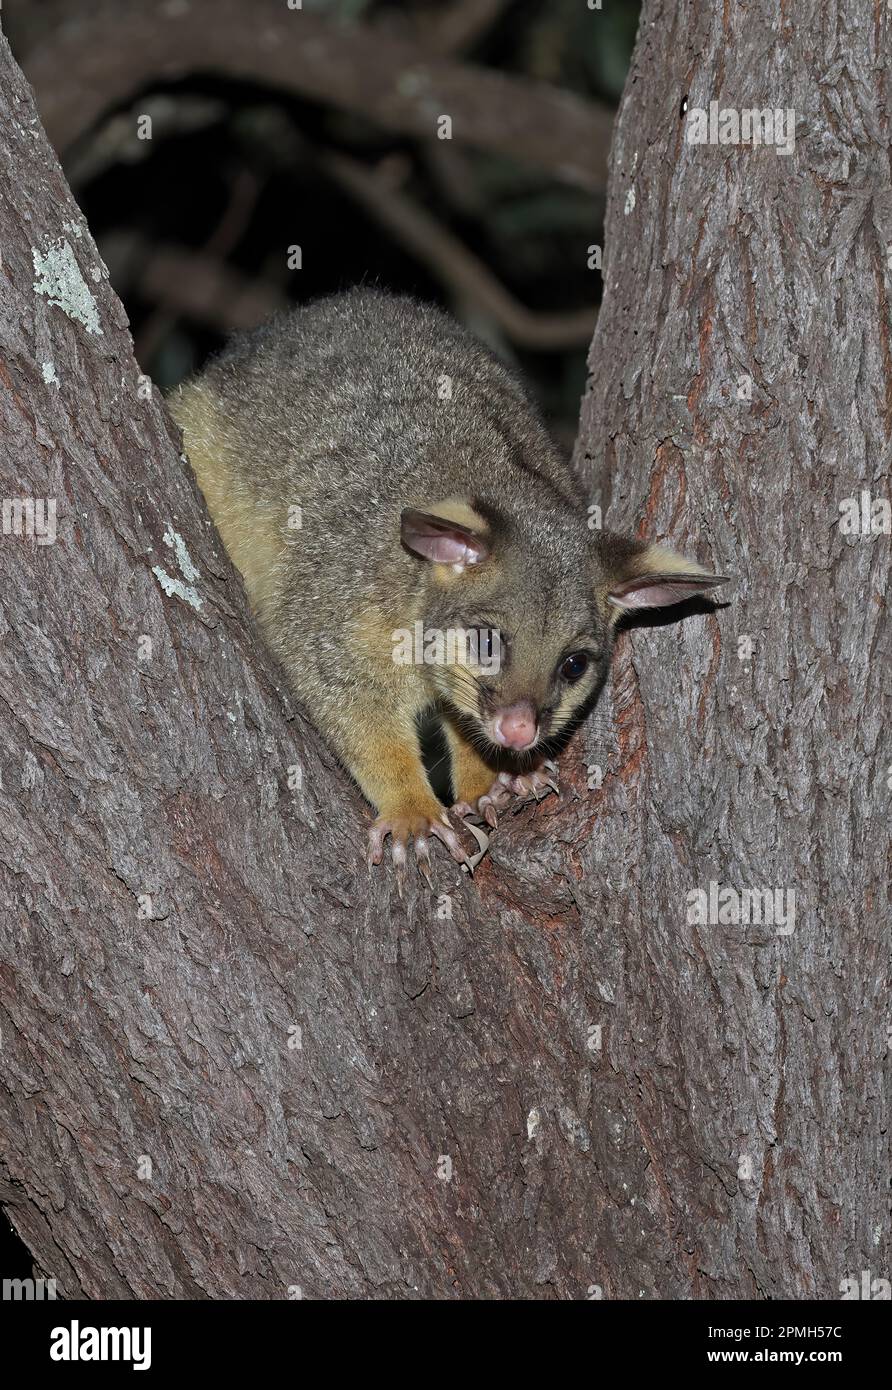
column 460, row 271
column 98, row 59
column 185, row 906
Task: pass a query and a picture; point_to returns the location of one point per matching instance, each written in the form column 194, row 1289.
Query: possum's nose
column 516, row 726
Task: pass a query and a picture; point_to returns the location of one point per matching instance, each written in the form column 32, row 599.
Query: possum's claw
column 531, row 784
column 491, row 803
column 483, row 808
column 509, row 787
column 444, row 832
column 423, row 859
column 417, row 829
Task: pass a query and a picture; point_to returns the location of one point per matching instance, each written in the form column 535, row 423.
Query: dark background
column 238, row 173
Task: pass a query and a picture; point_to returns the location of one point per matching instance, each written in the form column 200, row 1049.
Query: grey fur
column 339, row 408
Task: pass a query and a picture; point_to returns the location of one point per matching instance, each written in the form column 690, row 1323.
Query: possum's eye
column 490, row 646
column 573, row 667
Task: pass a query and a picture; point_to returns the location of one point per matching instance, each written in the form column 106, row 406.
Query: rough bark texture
column 541, row 1083
column 771, row 768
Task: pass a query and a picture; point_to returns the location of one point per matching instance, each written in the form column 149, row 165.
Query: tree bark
column 234, row 1064
column 178, row 912
column 740, row 391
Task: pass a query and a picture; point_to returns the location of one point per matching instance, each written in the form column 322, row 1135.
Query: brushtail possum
column 412, row 541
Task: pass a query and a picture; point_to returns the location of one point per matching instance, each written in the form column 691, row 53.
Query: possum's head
column 519, row 624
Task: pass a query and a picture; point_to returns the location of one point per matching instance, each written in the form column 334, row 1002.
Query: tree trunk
column 740, row 392
column 234, row 1064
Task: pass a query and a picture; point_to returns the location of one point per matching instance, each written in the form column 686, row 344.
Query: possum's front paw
column 405, row 824
column 509, row 787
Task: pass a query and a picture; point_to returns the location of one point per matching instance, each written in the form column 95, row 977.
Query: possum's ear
column 634, row 575
column 450, row 533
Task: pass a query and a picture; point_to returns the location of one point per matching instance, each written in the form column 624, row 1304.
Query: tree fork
column 233, row 1064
